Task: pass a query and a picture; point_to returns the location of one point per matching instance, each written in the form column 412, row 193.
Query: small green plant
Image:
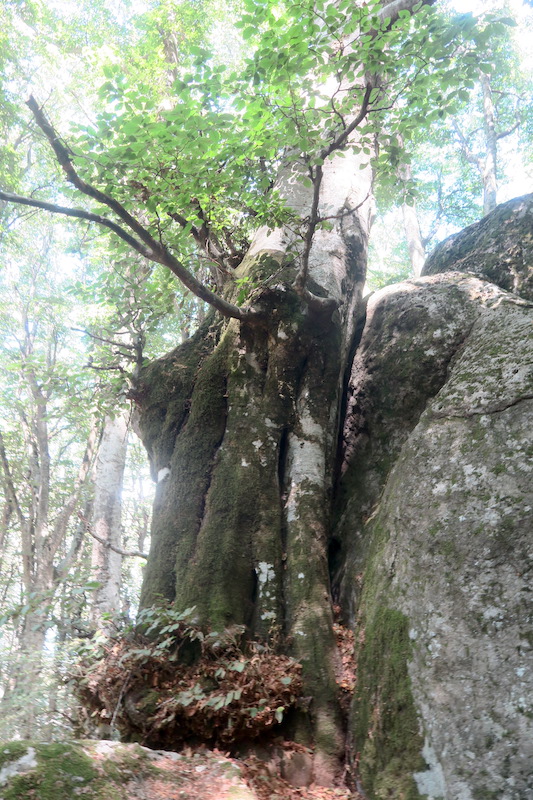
column 245, row 286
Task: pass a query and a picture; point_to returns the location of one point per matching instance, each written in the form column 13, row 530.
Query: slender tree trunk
column 411, row 226
column 415, row 245
column 485, row 164
column 7, row 513
column 106, row 518
column 41, row 539
column 489, row 174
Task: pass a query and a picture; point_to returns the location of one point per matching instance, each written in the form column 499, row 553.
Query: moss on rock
column 11, row 751
column 104, row 770
column 498, row 248
column 444, row 560
column 60, row 771
column 386, row 729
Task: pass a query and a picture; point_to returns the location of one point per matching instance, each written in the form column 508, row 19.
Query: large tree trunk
column 241, row 425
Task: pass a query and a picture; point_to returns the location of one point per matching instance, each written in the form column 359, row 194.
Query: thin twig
column 124, row 553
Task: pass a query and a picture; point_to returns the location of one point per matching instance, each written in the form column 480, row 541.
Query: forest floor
column 99, row 769
column 243, row 767
column 203, row 775
column 268, row 785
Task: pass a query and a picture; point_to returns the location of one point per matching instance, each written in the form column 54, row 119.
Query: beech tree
column 263, row 174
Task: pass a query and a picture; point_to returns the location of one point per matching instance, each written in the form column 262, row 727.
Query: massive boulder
column 433, row 551
column 499, row 248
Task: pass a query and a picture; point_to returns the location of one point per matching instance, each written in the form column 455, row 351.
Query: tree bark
column 106, row 559
column 241, row 426
column 489, row 175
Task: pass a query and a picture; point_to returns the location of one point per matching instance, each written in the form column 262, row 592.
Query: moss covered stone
column 432, row 546
column 448, row 548
column 60, row 771
column 412, row 334
column 499, row 248
column 386, row 728
column 11, row 751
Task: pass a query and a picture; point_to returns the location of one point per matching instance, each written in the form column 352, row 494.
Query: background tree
column 451, row 172
column 41, row 46
column 44, row 466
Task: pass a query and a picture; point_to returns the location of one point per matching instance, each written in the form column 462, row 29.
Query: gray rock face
column 436, row 530
column 413, row 332
column 498, row 248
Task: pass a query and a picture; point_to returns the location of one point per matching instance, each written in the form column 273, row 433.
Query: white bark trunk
column 337, row 268
column 411, row 226
column 346, row 200
column 106, row 520
column 490, row 187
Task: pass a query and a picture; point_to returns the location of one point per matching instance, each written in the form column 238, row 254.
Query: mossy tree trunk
column 241, row 424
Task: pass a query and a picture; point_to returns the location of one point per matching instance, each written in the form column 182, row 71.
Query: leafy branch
column 142, row 241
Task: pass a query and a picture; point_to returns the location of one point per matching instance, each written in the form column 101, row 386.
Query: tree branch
column 63, row 568
column 340, row 140
column 323, row 304
column 9, row 484
column 65, row 162
column 149, row 247
column 301, row 278
column 391, row 11
column 125, row 553
column 103, row 339
column 80, row 213
column 69, row 506
column 509, row 131
column 467, row 152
